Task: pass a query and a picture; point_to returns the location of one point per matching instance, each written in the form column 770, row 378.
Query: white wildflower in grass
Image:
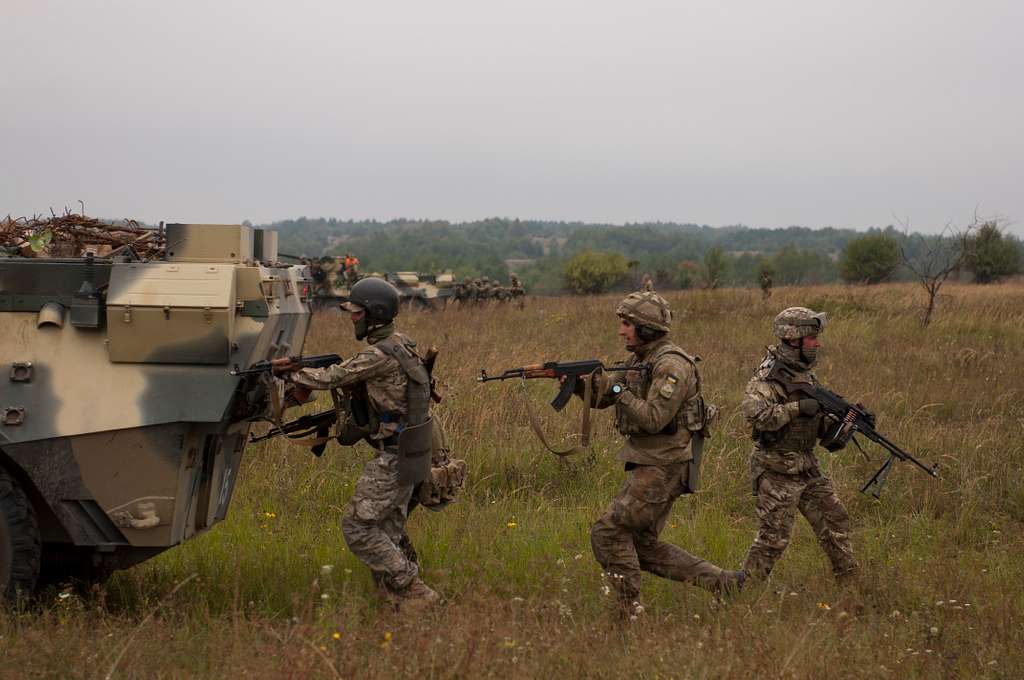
column 325, row 596
column 326, row 569
column 605, row 590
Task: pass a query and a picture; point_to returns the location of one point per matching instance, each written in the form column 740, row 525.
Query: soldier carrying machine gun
column 853, row 418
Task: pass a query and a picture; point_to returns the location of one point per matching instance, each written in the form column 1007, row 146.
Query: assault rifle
column 854, row 418
column 303, row 426
column 294, row 363
column 568, row 372
column 316, row 425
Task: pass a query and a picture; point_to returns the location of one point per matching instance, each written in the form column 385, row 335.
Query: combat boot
column 730, row 584
column 848, row 579
column 417, row 596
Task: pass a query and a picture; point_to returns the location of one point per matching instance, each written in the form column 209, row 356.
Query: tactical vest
column 799, row 435
column 692, row 413
column 415, row 433
column 417, row 381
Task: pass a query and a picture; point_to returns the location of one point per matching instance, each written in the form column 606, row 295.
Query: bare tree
column 933, row 258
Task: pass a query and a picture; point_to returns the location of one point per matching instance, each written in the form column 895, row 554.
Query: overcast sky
column 843, row 113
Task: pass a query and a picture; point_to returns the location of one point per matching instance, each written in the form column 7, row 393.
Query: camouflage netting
column 74, row 235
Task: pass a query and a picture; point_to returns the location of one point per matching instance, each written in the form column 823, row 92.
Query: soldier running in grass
column 391, row 380
column 661, row 413
column 785, row 471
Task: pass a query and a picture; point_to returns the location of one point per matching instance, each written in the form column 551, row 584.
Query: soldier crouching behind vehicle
column 661, row 413
column 785, row 471
column 390, row 380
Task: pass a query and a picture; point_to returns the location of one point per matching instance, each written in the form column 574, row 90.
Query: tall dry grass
column 942, row 594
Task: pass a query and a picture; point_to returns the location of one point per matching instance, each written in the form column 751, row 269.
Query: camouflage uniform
column 658, row 413
column 517, row 291
column 374, row 519
column 766, row 284
column 785, row 471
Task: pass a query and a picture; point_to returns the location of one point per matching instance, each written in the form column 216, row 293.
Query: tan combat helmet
column 646, row 308
column 794, row 323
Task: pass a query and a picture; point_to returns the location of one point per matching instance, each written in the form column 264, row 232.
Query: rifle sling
column 588, row 390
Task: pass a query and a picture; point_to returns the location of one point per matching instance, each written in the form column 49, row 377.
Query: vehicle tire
column 20, row 546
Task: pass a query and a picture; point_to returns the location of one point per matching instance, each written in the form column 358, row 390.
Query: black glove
column 809, row 407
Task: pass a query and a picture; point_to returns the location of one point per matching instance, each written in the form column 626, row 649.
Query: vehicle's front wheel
column 20, row 547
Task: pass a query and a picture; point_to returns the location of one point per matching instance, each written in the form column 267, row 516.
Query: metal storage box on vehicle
column 164, row 313
column 209, row 243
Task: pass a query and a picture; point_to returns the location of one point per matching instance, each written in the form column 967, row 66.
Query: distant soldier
column 662, row 415
column 766, row 283
column 397, row 424
column 647, row 283
column 319, row 277
column 786, row 476
column 518, row 291
column 486, row 291
column 474, row 290
column 462, row 291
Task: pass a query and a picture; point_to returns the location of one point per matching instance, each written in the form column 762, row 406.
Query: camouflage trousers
column 625, row 538
column 779, row 496
column 374, row 522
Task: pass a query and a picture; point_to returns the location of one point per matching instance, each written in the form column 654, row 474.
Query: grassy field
column 273, row 592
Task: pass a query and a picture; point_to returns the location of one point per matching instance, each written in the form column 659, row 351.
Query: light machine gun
column 854, row 418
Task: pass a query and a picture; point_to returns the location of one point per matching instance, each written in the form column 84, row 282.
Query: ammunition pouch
column 447, row 475
column 837, row 437
column 359, row 406
column 765, row 438
column 359, row 424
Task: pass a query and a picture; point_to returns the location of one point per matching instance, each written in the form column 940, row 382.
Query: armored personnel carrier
column 423, row 291
column 121, row 426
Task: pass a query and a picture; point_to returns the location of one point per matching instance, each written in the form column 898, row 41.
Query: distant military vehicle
column 425, row 291
column 121, row 427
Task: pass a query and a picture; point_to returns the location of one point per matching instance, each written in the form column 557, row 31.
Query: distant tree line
column 552, row 257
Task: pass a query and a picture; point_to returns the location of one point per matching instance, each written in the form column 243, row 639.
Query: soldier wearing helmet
column 786, row 476
column 663, row 417
column 388, row 391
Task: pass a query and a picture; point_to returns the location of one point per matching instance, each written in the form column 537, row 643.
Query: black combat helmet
column 378, row 297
